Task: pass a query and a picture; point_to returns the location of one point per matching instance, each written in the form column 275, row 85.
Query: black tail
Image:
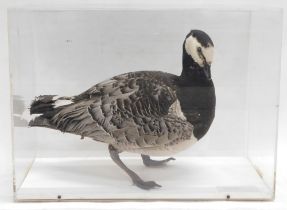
column 43, row 105
column 47, row 106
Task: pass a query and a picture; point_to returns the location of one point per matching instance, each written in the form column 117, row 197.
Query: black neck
column 196, row 95
column 194, row 77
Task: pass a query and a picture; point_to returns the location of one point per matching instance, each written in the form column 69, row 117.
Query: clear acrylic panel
column 64, row 52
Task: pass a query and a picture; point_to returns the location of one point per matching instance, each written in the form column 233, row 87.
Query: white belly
column 166, row 150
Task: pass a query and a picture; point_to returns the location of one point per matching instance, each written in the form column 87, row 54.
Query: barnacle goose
column 147, row 112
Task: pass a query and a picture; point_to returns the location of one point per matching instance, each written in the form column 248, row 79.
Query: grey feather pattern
column 129, row 111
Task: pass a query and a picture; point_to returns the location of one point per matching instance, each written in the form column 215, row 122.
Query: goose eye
column 199, row 49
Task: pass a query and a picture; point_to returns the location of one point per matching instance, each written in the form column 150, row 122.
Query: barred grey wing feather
column 129, row 111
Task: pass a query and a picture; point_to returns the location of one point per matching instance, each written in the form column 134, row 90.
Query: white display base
column 194, row 178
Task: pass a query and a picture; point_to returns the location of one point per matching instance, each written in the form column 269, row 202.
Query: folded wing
column 130, row 111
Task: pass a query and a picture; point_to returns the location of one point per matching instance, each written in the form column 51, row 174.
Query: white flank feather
column 62, row 102
column 56, row 98
column 26, row 115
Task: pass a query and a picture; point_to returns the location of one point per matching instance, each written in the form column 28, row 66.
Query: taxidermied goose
column 147, row 112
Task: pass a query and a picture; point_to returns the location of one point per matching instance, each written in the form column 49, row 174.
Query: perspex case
column 65, row 51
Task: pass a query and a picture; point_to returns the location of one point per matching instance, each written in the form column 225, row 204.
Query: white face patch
column 191, row 47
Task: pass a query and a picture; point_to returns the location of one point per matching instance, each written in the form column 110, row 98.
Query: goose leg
column 150, row 163
column 114, row 153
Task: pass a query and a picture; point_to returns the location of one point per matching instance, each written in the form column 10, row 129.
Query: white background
column 5, row 148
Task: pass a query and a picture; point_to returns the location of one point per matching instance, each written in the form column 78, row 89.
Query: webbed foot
column 153, row 163
column 146, row 185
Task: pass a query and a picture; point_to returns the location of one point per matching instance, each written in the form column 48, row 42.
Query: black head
column 197, row 54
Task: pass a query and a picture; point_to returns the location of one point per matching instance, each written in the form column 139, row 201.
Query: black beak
column 206, row 71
